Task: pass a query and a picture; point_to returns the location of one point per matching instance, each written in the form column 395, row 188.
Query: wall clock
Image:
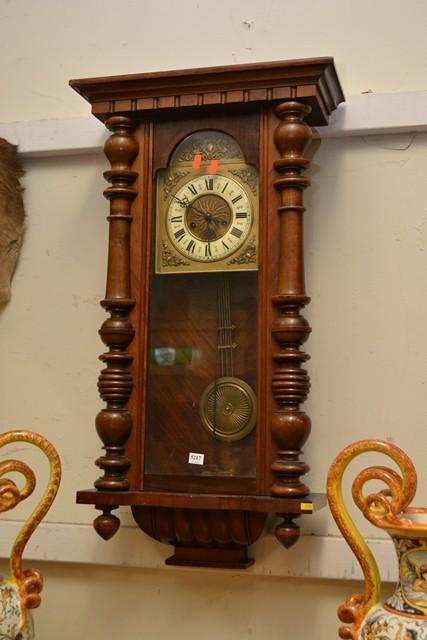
column 204, row 371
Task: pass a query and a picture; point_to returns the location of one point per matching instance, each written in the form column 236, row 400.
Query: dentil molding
column 361, row 115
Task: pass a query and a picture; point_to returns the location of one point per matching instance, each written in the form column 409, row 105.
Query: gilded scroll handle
column 381, row 509
column 29, row 582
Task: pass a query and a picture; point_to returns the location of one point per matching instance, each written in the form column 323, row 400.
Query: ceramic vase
column 403, row 616
column 20, row 591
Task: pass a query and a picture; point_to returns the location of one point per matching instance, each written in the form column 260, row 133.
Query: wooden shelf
column 260, row 504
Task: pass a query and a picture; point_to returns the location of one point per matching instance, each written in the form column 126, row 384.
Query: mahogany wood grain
column 262, row 504
column 217, row 558
column 141, row 245
column 213, row 530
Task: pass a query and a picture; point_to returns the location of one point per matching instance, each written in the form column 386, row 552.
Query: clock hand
column 184, row 202
column 203, row 213
column 207, row 215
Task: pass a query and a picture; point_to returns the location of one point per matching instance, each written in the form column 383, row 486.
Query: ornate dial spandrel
column 171, row 259
column 247, row 175
column 248, row 255
column 171, row 181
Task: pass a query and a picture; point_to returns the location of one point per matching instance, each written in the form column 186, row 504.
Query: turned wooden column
column 291, row 383
column 114, row 422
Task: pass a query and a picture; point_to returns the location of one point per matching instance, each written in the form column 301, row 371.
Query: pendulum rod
column 226, row 345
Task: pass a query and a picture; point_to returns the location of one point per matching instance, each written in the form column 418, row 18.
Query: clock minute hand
column 182, row 201
column 206, row 214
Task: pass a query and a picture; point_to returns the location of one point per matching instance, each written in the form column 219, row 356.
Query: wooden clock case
column 269, row 110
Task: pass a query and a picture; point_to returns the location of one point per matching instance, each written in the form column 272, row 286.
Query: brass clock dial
column 209, row 218
column 206, row 208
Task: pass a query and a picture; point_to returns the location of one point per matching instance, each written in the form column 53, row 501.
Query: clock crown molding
column 313, row 81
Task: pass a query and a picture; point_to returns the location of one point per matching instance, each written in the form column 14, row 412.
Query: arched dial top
column 206, row 210
column 209, row 217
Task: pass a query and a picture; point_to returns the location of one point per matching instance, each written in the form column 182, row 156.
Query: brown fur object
column 12, row 215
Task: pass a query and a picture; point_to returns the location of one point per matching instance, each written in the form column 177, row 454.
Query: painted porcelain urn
column 403, row 616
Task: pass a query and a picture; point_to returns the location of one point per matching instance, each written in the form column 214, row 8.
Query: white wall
column 378, row 45
column 365, row 247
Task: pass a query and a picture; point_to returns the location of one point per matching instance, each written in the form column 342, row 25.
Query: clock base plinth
column 211, row 558
column 217, row 538
column 208, row 530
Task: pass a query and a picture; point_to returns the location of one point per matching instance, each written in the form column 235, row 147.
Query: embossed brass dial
column 209, row 218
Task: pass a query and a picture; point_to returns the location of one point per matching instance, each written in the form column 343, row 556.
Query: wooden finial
column 106, row 525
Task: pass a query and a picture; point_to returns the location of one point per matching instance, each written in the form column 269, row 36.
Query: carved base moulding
column 204, row 372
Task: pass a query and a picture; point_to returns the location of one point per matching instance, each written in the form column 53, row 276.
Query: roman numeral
column 236, row 199
column 225, row 245
column 236, row 232
column 191, row 246
column 192, row 189
column 209, row 183
column 225, row 186
column 179, row 219
column 241, row 214
column 208, row 253
column 179, row 234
